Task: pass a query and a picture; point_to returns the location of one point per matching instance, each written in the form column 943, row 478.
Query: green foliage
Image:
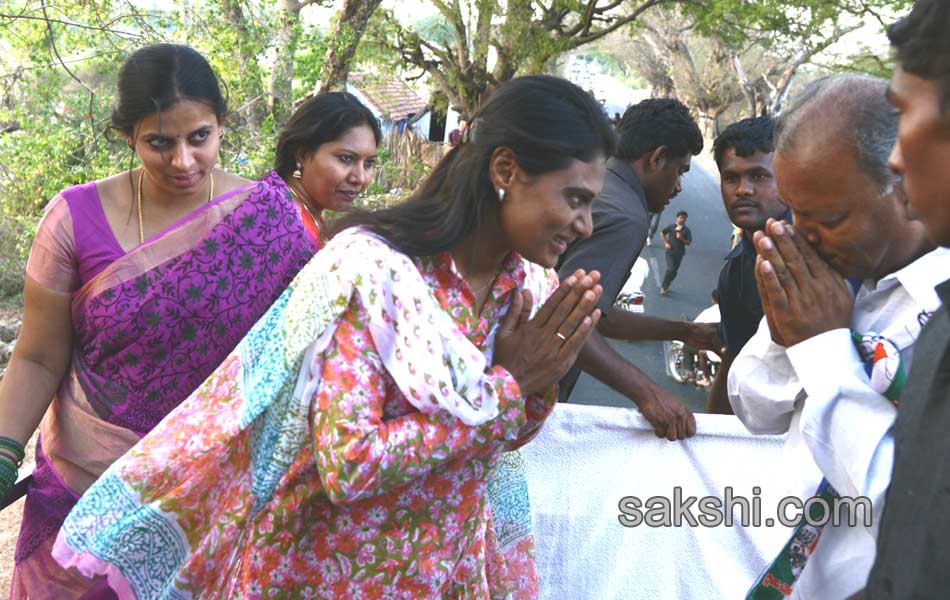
column 439, row 103
column 16, row 233
column 375, row 47
column 385, row 171
column 401, row 167
column 784, row 22
column 311, row 49
column 57, row 125
column 60, row 143
column 435, row 29
column 865, row 61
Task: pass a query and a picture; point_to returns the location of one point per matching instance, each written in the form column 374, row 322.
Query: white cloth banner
column 587, row 458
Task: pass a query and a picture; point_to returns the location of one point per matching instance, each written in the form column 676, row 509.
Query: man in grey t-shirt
column 658, row 137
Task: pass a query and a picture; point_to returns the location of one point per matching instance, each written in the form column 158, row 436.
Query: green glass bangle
column 4, row 459
column 7, row 452
column 12, row 444
column 8, row 471
column 14, row 459
column 10, row 440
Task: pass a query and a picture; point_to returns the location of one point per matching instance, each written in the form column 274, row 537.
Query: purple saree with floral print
column 148, row 328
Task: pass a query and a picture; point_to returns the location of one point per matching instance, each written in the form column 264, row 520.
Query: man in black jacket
column 913, row 546
column 743, row 153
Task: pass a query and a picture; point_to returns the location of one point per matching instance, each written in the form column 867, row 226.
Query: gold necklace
column 478, row 291
column 138, row 202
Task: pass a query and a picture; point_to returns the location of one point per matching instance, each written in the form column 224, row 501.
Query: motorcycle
column 678, row 365
column 631, row 301
column 632, row 298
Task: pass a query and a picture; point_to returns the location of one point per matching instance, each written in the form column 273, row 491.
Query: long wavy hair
column 546, row 121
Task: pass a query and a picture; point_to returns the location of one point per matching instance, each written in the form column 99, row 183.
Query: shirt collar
column 744, row 246
column 511, row 275
column 622, row 169
column 921, row 277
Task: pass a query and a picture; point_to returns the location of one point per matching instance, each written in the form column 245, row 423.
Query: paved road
column 688, row 295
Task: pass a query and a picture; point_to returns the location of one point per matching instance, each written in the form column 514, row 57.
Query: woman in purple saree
column 138, row 286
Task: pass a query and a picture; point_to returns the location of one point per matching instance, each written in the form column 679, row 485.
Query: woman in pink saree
column 138, row 285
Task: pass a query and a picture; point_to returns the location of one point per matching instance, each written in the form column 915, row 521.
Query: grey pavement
column 688, row 295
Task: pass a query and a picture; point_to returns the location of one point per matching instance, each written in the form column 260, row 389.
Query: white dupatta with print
column 157, row 506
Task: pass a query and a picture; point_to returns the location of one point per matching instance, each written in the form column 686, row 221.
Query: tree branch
column 52, row 44
column 72, row 24
column 580, row 40
column 781, row 89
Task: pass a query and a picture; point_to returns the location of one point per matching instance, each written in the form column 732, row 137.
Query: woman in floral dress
column 345, row 448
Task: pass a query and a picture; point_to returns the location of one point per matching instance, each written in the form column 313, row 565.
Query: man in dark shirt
column 743, row 153
column 675, row 238
column 913, row 545
column 657, row 139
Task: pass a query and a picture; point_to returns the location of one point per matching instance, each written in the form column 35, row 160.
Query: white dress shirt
column 838, row 427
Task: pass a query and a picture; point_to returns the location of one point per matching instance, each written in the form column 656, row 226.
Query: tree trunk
column 281, row 86
column 185, row 21
column 343, row 42
column 250, row 83
column 747, row 88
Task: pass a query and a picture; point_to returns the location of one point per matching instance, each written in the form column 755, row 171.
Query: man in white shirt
column 801, row 372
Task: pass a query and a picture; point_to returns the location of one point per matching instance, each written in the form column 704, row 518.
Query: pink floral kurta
column 300, row 470
column 393, row 503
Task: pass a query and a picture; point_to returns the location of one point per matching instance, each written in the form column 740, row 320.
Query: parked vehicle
column 632, row 301
column 631, row 296
column 679, row 368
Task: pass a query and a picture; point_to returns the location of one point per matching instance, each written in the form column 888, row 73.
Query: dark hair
column 657, row 122
column 715, row 295
column 922, row 44
column 157, row 77
column 546, row 121
column 321, row 119
column 745, row 137
column 682, row 213
column 848, row 107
